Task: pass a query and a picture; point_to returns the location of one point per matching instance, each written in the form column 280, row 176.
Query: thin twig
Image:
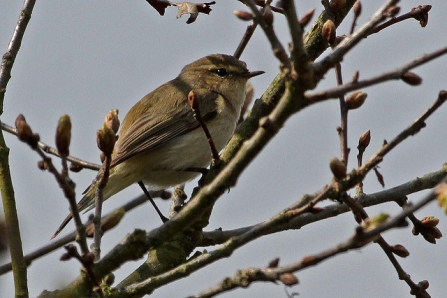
column 281, row 218
column 6, row 186
column 277, row 48
column 395, row 74
column 359, row 239
column 60, row 242
column 245, row 39
column 419, row 13
column 103, row 179
column 53, row 151
column 343, row 129
column 299, row 57
column 195, row 107
column 87, row 263
column 351, row 41
column 411, row 130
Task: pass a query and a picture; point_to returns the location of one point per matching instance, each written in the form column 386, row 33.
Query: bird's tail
column 87, row 201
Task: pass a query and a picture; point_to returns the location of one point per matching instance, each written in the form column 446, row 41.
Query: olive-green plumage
column 160, row 139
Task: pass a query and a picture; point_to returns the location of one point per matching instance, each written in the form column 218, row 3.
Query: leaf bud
column 424, row 284
column 411, row 78
column 355, row 100
column 105, row 139
column 42, row 165
column 337, row 5
column 422, row 16
column 306, row 18
column 63, row 135
column 329, row 31
column 112, row 120
column 429, row 221
column 357, row 8
column 364, row 139
column 392, row 11
column 75, row 168
column 273, row 263
column 107, row 223
column 435, row 232
column 400, row 251
column 338, row 168
column 288, row 279
column 243, row 15
column 24, row 132
column 429, row 237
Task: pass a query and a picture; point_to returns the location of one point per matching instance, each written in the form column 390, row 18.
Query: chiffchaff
column 160, row 139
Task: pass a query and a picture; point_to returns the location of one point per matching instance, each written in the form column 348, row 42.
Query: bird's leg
column 194, row 104
column 146, row 192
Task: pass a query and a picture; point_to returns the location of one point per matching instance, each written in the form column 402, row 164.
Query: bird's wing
column 152, row 130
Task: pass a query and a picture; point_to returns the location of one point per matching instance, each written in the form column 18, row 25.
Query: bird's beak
column 252, row 74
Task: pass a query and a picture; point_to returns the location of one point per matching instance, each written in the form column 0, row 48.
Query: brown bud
column 268, row 15
column 288, row 279
column 338, row 168
column 42, row 165
column 24, row 132
column 329, row 31
column 306, row 18
column 392, row 11
column 63, row 135
column 411, row 78
column 424, row 284
column 355, row 77
column 193, row 100
column 112, row 120
column 422, row 16
column 75, row 168
column 430, row 238
column 435, row 232
column 442, row 95
column 308, row 261
column 65, row 257
column 364, row 139
column 105, row 139
column 357, row 8
column 400, row 251
column 337, row 5
column 415, row 231
column 355, row 100
column 89, row 258
column 243, row 15
column 379, row 176
column 429, row 221
column 112, row 220
column 273, row 263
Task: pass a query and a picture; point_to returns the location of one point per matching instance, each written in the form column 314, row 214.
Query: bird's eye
column 222, row 72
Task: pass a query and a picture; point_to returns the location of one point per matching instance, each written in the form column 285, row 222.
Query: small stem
column 98, row 207
column 343, row 131
column 245, row 39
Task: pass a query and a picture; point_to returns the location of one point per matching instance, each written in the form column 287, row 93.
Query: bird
column 160, row 140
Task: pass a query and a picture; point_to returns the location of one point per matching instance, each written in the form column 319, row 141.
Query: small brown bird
column 160, row 139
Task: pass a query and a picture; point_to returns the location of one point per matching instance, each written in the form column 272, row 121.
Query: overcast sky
column 87, row 57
